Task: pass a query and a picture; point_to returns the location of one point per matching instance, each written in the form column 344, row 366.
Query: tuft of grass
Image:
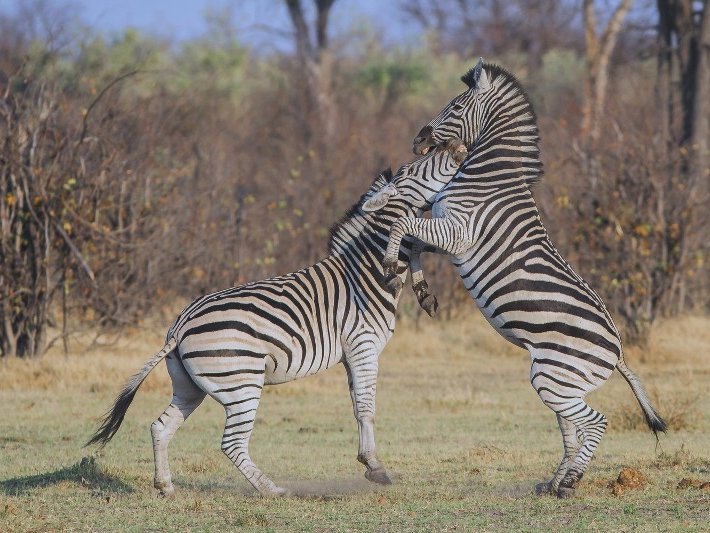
column 684, row 459
column 85, row 473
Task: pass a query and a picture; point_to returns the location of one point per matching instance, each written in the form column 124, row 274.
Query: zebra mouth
column 425, row 150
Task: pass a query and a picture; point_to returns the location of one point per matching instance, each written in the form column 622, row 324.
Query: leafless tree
column 315, row 56
column 495, row 27
column 599, row 49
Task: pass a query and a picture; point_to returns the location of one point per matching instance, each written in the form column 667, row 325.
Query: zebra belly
column 229, row 347
column 232, row 359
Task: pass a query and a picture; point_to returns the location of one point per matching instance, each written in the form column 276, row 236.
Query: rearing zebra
column 487, row 220
column 231, row 343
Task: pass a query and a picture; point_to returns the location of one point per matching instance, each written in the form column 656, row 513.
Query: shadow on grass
column 85, row 473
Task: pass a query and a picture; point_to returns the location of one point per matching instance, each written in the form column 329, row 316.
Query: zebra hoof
column 281, row 492
column 569, row 484
column 165, row 491
column 541, row 489
column 430, row 304
column 458, row 149
column 394, row 285
column 276, row 492
column 389, row 267
column 378, row 476
column 565, row 492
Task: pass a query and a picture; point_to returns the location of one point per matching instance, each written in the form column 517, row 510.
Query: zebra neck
column 507, row 150
column 365, row 236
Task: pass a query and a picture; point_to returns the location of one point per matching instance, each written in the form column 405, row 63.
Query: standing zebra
column 487, row 220
column 231, row 343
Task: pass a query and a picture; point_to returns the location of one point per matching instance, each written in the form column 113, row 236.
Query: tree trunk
column 599, row 50
column 316, row 63
column 700, row 163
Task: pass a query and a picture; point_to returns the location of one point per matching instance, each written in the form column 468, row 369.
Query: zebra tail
column 653, row 419
column 113, row 419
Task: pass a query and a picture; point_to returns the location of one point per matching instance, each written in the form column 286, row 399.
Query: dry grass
column 459, row 427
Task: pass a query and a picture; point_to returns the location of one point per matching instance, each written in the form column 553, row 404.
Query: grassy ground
column 459, row 428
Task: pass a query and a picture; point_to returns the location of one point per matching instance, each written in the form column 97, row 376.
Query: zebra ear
column 476, row 78
column 483, row 84
column 378, row 200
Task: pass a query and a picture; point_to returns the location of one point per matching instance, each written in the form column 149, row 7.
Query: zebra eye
column 457, row 107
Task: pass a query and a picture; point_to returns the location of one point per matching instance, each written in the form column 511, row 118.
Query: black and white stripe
column 229, row 344
column 487, row 220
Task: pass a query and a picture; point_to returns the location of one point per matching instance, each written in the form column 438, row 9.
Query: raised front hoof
column 543, row 489
column 394, row 285
column 565, row 492
column 165, row 490
column 458, row 149
column 389, row 267
column 378, row 476
column 430, row 304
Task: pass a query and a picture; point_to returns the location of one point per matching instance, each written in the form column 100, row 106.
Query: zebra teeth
column 425, row 151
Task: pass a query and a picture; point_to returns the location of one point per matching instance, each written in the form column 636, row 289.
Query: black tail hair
column 653, row 419
column 113, row 419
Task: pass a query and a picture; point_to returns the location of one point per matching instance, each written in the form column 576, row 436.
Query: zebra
column 231, row 343
column 487, row 220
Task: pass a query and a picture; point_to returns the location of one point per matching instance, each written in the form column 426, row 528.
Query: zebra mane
column 494, row 71
column 382, row 179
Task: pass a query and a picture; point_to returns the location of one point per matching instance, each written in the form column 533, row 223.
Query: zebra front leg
column 570, row 443
column 186, row 398
column 427, row 301
column 362, row 380
column 442, row 233
column 240, row 408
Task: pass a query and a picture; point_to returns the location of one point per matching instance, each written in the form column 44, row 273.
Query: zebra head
column 463, row 117
column 417, row 183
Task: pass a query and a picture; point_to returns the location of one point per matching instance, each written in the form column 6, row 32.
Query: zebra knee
column 228, row 448
column 594, row 427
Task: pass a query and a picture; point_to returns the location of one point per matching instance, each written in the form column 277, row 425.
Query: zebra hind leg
column 564, row 394
column 186, row 398
column 592, row 425
column 571, row 443
column 241, row 413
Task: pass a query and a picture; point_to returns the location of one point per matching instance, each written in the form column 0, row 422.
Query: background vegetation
column 136, row 172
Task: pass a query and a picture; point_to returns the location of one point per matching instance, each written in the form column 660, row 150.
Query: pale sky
column 258, row 22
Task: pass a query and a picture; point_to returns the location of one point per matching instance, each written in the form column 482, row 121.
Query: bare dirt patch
column 628, row 479
column 691, row 483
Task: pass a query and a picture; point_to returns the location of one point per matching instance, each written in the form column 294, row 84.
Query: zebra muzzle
column 423, row 142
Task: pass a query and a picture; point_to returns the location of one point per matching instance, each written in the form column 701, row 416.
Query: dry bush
column 199, row 167
column 101, row 369
column 679, row 412
column 633, row 227
column 681, row 458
